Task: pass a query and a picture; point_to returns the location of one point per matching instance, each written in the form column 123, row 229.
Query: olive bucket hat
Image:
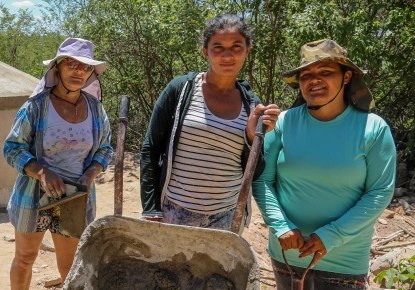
column 358, row 93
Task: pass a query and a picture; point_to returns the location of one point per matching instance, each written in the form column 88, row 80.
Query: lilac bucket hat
column 81, row 50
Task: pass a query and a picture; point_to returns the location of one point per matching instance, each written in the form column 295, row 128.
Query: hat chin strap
column 68, row 90
column 315, row 108
column 60, row 78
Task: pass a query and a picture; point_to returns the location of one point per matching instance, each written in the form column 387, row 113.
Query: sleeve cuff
column 283, row 230
column 246, row 141
column 324, row 236
column 25, row 159
column 101, row 161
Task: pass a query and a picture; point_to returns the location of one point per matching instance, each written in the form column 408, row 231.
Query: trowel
column 72, row 208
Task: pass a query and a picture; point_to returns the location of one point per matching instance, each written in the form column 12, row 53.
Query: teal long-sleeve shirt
column 330, row 178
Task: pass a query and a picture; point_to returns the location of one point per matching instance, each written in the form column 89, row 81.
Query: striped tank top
column 207, row 172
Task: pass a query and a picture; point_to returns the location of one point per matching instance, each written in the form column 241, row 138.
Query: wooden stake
column 395, row 245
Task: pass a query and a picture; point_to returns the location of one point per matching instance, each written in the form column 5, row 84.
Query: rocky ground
column 399, row 221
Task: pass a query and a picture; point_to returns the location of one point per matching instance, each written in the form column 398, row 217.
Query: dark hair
column 226, row 21
column 344, row 69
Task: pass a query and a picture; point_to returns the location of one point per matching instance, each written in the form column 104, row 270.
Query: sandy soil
column 45, row 266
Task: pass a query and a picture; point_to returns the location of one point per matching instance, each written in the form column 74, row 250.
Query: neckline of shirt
column 198, row 83
column 338, row 118
column 62, row 119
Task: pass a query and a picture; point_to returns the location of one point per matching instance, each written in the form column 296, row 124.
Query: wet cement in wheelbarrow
column 129, row 273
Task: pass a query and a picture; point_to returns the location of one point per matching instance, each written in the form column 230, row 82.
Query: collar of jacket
column 243, row 86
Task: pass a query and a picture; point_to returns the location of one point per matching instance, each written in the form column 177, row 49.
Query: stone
column 35, row 270
column 9, row 238
column 44, row 200
column 44, row 266
column 399, row 192
column 70, row 189
column 399, row 210
column 388, row 214
column 409, row 199
column 261, row 223
column 382, row 221
column 387, row 261
column 46, row 245
column 405, row 205
column 53, row 281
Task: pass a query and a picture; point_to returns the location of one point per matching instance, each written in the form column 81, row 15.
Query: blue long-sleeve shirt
column 24, row 143
column 330, row 178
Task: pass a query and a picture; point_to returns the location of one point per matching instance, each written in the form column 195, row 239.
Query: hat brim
column 291, row 76
column 358, row 95
column 50, row 79
column 99, row 66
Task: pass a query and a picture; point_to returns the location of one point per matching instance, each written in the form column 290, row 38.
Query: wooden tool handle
column 124, row 107
column 119, row 155
column 248, row 175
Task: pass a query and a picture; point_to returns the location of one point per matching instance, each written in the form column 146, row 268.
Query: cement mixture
column 130, row 273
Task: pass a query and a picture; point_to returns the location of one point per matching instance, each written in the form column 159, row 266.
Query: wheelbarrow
column 119, row 252
column 124, row 253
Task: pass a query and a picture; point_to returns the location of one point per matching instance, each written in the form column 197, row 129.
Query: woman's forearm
column 93, row 170
column 34, row 169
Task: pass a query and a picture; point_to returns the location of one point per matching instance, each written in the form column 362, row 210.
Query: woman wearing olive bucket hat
column 61, row 131
column 330, row 173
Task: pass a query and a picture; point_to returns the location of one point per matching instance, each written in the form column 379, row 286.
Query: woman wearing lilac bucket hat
column 62, row 131
column 330, row 173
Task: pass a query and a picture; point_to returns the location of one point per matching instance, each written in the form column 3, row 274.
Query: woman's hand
column 291, row 240
column 269, row 118
column 313, row 245
column 90, row 174
column 50, row 181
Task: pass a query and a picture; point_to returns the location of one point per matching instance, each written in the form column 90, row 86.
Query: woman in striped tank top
column 197, row 142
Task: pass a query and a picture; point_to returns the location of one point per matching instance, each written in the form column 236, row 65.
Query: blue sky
column 15, row 5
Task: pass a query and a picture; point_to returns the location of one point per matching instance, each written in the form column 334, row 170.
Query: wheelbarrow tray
column 110, row 240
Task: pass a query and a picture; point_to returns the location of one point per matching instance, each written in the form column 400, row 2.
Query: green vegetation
column 146, row 43
column 403, row 277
